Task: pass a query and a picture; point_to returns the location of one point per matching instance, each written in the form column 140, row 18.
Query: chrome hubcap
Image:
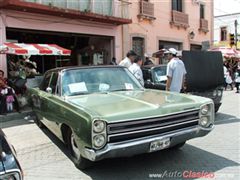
column 76, row 152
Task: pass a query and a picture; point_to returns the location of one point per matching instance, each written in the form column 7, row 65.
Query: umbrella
column 227, row 52
column 33, row 49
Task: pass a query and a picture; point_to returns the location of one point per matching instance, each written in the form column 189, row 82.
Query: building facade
column 226, row 23
column 90, row 28
column 225, row 26
column 179, row 24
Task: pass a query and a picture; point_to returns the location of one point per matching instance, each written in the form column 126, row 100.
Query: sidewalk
column 27, row 111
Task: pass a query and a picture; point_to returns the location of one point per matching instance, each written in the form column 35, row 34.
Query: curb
column 16, row 115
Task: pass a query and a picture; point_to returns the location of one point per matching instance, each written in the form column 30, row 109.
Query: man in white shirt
column 127, row 61
column 135, row 69
column 175, row 72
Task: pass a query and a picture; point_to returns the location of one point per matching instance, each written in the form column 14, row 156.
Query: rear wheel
column 79, row 161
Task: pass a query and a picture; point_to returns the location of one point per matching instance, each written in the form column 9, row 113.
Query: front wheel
column 216, row 108
column 39, row 123
column 79, row 161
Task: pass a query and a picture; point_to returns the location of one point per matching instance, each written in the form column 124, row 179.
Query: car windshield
column 160, row 74
column 97, row 80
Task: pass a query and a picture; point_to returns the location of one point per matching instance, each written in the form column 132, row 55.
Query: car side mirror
column 49, row 90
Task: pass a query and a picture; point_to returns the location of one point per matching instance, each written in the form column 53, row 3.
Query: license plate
column 159, row 144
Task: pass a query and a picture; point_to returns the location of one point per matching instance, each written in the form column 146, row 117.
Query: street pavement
column 44, row 157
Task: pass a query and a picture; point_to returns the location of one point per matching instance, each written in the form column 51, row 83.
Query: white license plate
column 159, row 144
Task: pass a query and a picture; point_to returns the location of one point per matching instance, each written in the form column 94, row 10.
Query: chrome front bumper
column 142, row 145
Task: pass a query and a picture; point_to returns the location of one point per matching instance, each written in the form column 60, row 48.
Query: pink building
column 90, row 28
column 161, row 24
column 97, row 30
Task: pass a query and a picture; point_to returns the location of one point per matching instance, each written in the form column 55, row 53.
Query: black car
column 204, row 75
column 10, row 168
column 155, row 76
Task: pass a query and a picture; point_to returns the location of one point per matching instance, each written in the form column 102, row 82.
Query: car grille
column 145, row 127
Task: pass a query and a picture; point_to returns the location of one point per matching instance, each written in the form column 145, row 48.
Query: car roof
column 152, row 66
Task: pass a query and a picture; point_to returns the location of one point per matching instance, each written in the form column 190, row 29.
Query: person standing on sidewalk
column 135, row 69
column 128, row 60
column 237, row 78
column 3, row 86
column 175, row 72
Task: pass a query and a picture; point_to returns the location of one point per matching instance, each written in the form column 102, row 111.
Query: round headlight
column 219, row 93
column 98, row 126
column 98, row 140
column 215, row 93
column 204, row 109
column 203, row 121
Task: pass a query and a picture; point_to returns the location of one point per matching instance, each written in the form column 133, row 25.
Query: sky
column 226, row 7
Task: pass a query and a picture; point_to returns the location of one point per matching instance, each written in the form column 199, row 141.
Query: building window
column 223, row 34
column 177, row 5
column 138, row 45
column 202, row 11
column 195, row 47
column 167, row 45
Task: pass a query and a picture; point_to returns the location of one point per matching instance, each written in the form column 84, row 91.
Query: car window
column 95, row 80
column 147, row 74
column 53, row 82
column 45, row 82
column 160, row 74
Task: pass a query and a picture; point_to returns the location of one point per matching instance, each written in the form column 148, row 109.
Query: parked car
column 155, row 76
column 10, row 168
column 204, row 75
column 103, row 112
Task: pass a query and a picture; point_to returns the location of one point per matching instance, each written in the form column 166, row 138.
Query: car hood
column 125, row 105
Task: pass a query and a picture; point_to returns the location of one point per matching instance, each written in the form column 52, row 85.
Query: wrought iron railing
column 115, row 8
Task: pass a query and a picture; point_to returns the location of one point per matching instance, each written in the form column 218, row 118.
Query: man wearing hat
column 175, row 71
column 127, row 61
column 147, row 59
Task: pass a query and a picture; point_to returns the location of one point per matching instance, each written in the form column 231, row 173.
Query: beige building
column 158, row 24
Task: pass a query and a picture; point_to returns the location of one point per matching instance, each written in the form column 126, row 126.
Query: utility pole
column 236, row 35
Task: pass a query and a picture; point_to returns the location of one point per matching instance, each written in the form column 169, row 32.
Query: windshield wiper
column 79, row 93
column 121, row 90
column 127, row 90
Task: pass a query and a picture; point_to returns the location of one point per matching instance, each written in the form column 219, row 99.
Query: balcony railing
column 107, row 7
column 179, row 19
column 146, row 10
column 203, row 25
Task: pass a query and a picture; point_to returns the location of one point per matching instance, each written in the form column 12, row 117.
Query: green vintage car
column 103, row 112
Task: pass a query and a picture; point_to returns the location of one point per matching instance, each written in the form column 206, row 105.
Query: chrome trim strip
column 145, row 130
column 156, row 124
column 13, row 171
column 150, row 117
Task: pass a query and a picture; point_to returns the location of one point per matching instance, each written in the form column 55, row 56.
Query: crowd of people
column 175, row 68
column 231, row 75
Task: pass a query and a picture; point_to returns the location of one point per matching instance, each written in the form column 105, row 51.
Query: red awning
column 226, row 51
column 33, row 49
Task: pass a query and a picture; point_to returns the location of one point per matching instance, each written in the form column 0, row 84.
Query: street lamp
column 191, row 35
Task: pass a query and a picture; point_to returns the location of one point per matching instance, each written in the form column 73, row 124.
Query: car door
column 38, row 96
column 51, row 105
